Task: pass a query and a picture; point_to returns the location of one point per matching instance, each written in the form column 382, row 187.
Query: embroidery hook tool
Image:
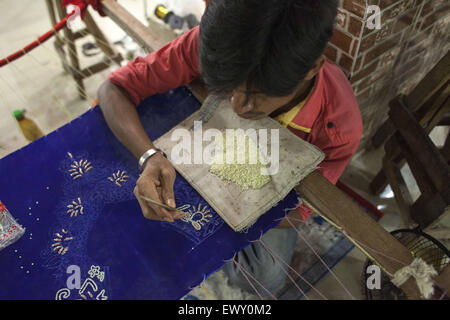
column 161, row 204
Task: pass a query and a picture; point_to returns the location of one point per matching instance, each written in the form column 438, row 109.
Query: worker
column 266, row 56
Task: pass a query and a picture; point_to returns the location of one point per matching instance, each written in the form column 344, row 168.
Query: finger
column 148, row 190
column 146, row 210
column 167, row 181
column 175, row 214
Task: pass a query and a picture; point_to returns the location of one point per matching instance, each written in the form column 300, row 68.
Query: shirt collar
column 308, row 114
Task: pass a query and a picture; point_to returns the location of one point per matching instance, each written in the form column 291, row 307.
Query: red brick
column 385, row 32
column 331, row 53
column 384, row 3
column 364, row 73
column 358, row 63
column 389, row 58
column 341, row 19
column 368, row 42
column 355, row 26
column 346, row 62
column 398, row 9
column 373, row 78
column 341, row 40
column 382, row 48
column 405, row 21
column 357, row 7
column 355, row 47
column 366, row 83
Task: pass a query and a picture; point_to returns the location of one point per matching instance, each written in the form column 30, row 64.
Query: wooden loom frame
column 323, row 196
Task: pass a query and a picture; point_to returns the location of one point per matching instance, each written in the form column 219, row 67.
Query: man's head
column 260, row 52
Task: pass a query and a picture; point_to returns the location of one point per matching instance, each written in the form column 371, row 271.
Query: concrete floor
column 38, row 83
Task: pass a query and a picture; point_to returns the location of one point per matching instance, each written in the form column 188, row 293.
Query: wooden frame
column 326, row 198
column 73, row 67
column 427, row 102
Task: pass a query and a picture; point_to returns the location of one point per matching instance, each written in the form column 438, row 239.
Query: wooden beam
column 426, row 152
column 80, row 34
column 99, row 66
column 401, row 192
column 73, row 55
column 420, row 175
column 439, row 234
column 149, row 40
column 382, row 134
column 443, row 279
column 428, row 210
column 339, row 208
column 102, row 42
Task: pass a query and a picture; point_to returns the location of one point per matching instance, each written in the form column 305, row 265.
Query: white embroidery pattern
column 197, row 216
column 63, row 293
column 60, row 242
column 95, row 272
column 89, row 288
column 74, row 208
column 84, row 288
column 119, row 178
column 78, row 168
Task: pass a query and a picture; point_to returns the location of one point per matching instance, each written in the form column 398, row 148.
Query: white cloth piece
column 423, row 274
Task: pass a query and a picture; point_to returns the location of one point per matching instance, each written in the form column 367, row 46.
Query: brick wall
column 380, row 64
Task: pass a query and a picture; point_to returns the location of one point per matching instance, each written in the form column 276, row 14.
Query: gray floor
column 37, row 83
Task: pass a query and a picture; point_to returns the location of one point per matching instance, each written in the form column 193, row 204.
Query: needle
column 161, row 205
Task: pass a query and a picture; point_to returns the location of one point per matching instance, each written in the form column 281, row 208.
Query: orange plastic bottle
column 29, row 128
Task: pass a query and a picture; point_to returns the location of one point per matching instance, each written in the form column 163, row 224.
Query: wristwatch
column 147, row 155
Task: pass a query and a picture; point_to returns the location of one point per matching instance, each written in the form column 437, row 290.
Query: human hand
column 156, row 183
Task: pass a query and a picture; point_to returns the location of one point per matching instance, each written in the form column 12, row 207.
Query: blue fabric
column 59, row 189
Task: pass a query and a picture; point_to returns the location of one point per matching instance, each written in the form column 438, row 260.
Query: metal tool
column 160, row 204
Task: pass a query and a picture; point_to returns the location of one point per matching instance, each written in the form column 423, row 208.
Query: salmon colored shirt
column 329, row 118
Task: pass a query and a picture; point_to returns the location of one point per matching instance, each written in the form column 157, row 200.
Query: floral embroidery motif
column 79, row 168
column 75, row 207
column 118, row 178
column 60, row 242
column 88, row 290
column 197, row 216
column 95, row 272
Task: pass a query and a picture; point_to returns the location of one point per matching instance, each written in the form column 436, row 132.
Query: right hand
column 156, row 182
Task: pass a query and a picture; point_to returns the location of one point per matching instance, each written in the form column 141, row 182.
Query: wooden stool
column 427, row 102
column 427, row 163
column 69, row 38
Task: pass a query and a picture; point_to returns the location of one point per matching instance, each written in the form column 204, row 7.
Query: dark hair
column 269, row 45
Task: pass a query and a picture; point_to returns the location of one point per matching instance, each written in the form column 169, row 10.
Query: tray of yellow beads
column 241, row 167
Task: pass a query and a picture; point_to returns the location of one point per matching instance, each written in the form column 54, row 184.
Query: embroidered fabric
column 10, row 230
column 73, row 191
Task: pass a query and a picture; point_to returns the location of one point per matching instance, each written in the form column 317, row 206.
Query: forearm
column 123, row 119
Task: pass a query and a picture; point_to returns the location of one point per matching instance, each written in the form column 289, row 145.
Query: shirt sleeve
column 174, row 65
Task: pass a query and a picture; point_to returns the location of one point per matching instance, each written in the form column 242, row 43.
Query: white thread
column 421, row 271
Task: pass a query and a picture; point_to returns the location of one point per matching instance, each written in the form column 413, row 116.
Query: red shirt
column 330, row 119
